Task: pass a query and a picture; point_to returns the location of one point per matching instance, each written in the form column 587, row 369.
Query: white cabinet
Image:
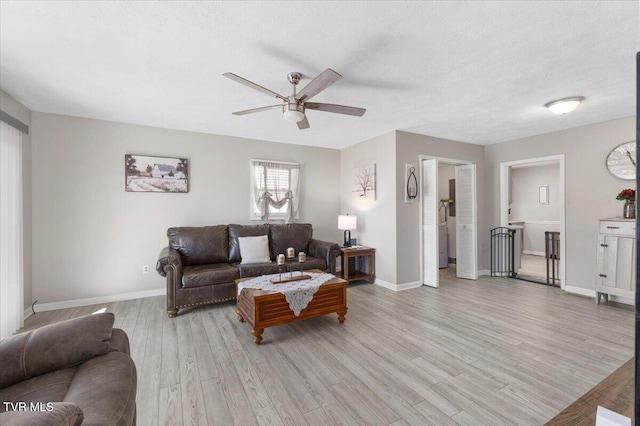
column 616, row 259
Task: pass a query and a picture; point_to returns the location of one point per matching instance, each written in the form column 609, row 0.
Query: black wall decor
column 412, row 184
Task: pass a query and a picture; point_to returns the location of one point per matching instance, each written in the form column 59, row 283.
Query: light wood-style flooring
column 534, row 268
column 487, row 352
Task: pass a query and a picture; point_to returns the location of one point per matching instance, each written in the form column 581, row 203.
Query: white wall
column 91, row 238
column 376, row 218
column 20, row 112
column 525, row 182
column 590, row 189
column 409, row 147
column 536, row 218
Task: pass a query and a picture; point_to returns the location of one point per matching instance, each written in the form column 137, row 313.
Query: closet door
column 430, row 271
column 466, row 222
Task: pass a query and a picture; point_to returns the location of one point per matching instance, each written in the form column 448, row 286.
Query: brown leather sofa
column 73, row 372
column 201, row 264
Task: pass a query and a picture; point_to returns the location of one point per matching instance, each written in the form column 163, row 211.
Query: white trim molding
column 534, row 253
column 397, row 287
column 504, row 202
column 581, row 291
column 538, row 222
column 100, row 299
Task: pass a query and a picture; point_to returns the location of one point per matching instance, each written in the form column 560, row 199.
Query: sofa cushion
column 211, row 274
column 200, row 245
column 257, row 269
column 65, row 344
column 296, row 235
column 52, row 414
column 236, row 231
column 310, row 263
column 254, row 249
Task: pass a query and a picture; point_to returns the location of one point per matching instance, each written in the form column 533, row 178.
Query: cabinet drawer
column 618, row 228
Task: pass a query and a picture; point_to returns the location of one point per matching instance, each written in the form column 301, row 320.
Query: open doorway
column 443, row 233
column 532, row 204
column 446, row 220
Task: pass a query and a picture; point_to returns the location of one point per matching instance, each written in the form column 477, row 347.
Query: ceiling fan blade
column 318, row 84
column 251, row 111
column 339, row 109
column 304, row 124
column 253, row 85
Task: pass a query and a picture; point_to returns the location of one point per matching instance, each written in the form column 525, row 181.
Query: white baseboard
column 623, row 300
column 409, row 286
column 397, row 287
column 535, row 253
column 27, row 313
column 484, row 272
column 385, row 284
column 581, row 291
column 100, row 299
column 592, row 293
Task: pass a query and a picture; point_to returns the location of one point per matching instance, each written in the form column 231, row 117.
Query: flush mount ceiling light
column 565, row 105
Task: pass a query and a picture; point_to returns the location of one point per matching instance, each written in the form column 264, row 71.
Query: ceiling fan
column 294, row 106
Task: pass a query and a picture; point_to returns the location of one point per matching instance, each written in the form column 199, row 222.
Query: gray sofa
column 201, row 264
column 73, row 372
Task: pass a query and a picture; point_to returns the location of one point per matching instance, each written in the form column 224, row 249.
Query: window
column 274, row 190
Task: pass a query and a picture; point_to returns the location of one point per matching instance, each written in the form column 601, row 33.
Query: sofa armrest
column 53, row 347
column 51, row 414
column 327, row 251
column 119, row 341
column 169, row 259
column 170, row 265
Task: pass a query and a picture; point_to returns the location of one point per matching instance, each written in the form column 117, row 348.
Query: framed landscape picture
column 364, row 182
column 143, row 173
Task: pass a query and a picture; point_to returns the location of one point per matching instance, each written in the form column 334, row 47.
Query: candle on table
column 301, row 258
column 291, row 252
column 280, row 259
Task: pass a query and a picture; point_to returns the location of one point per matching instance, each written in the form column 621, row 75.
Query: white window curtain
column 11, row 260
column 275, row 190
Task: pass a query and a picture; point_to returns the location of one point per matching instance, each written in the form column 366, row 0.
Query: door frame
column 452, row 162
column 504, row 200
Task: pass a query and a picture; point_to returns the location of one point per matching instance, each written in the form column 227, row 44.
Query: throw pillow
column 254, row 249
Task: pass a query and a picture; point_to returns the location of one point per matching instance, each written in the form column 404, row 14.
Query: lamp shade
column 347, row 222
column 292, row 115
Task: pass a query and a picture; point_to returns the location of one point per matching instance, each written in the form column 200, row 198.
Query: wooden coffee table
column 262, row 309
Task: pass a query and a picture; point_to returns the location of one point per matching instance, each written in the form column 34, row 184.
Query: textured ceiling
column 477, row 72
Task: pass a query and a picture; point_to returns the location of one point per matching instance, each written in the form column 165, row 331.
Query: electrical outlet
column 145, row 269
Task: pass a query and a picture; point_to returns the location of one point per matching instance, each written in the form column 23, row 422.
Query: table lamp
column 347, row 223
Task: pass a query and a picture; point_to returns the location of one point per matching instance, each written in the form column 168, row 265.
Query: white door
column 466, row 222
column 430, row 271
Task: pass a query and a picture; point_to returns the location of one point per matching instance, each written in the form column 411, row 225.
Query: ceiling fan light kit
column 294, row 106
column 293, row 112
column 564, row 105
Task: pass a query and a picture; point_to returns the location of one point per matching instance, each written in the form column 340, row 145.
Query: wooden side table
column 360, row 251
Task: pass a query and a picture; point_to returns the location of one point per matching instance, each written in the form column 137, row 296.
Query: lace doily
column 297, row 293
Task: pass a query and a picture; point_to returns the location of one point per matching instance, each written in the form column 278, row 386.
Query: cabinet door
column 625, row 264
column 616, row 262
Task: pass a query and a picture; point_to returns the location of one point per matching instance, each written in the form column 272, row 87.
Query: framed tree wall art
column 364, row 182
column 143, row 173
